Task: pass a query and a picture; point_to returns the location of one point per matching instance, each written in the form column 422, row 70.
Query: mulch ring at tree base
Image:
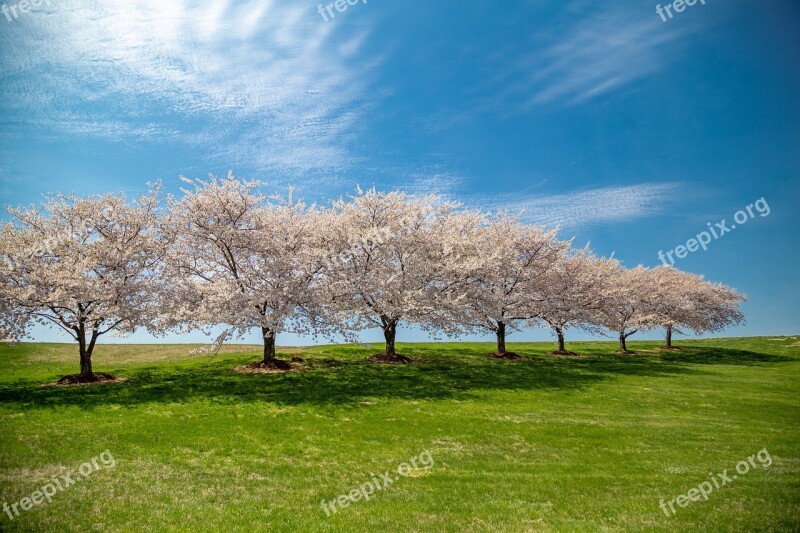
column 276, row 366
column 76, row 380
column 390, row 359
column 505, row 355
column 564, row 352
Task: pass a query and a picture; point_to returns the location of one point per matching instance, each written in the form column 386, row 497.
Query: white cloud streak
column 584, row 208
column 600, row 55
column 593, row 56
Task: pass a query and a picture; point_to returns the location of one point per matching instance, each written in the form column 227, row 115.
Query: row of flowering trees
column 222, row 254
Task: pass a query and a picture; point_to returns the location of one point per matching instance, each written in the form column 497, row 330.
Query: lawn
column 545, row 443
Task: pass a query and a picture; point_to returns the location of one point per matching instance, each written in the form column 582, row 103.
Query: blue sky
column 629, row 132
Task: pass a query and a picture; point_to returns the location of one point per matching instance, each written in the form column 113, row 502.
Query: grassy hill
column 544, row 443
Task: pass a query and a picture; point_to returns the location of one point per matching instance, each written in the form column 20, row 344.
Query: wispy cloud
column 592, row 55
column 584, row 208
column 599, row 55
column 259, row 82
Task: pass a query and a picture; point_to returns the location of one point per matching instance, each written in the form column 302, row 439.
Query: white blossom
column 85, row 265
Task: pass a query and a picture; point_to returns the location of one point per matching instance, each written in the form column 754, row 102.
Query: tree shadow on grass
column 720, row 356
column 342, row 379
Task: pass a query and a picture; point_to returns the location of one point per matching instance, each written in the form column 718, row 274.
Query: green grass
column 544, row 443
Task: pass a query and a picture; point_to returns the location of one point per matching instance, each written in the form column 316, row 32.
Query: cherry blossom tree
column 85, row 265
column 392, row 254
column 573, row 293
column 241, row 261
column 510, row 263
column 685, row 301
column 627, row 308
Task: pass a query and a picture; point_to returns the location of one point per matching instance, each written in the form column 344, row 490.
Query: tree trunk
column 86, row 359
column 622, row 346
column 669, row 336
column 560, row 334
column 270, row 361
column 269, row 345
column 390, row 333
column 390, row 355
column 86, row 351
column 87, row 374
column 501, row 337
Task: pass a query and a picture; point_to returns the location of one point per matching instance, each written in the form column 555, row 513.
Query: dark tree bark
column 270, row 361
column 622, row 338
column 86, row 360
column 390, row 355
column 390, row 333
column 85, row 348
column 562, row 349
column 501, row 337
column 86, row 351
column 669, row 337
column 501, row 353
column 269, row 345
column 560, row 334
